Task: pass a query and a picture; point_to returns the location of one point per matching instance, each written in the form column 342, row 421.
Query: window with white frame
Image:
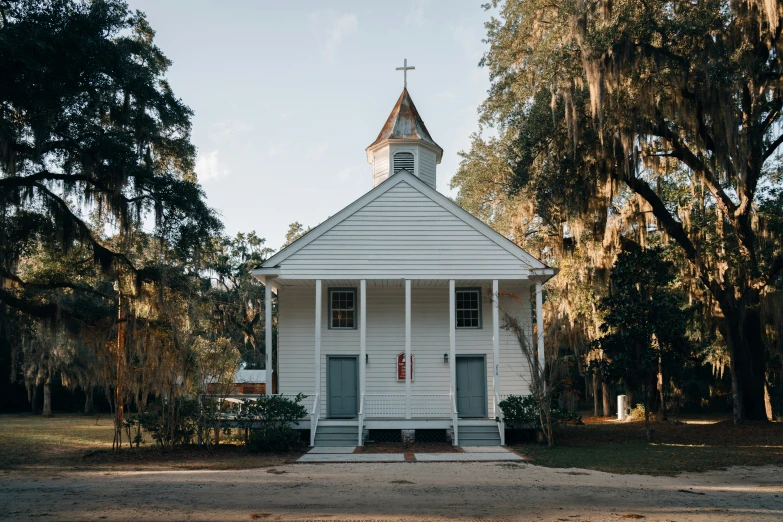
column 342, row 308
column 468, row 307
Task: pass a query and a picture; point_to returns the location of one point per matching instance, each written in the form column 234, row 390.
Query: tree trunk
column 768, row 403
column 47, row 399
column 34, row 400
column 88, row 405
column 606, row 398
column 662, row 389
column 595, row 394
column 742, row 332
column 648, row 431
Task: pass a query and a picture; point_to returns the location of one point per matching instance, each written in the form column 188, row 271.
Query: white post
column 317, row 361
column 408, row 365
column 268, row 336
column 496, row 338
column 540, row 325
column 453, row 354
column 362, row 354
column 453, row 336
column 362, row 335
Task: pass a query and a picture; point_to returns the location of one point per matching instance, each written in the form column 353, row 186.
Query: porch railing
column 393, row 405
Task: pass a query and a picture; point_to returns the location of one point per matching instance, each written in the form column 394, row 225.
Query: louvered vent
column 403, row 161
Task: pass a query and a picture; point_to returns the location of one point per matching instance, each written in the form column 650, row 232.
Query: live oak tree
column 645, row 91
column 102, row 220
column 88, row 124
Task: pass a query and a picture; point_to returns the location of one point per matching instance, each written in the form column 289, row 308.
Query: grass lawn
column 693, row 445
column 65, row 442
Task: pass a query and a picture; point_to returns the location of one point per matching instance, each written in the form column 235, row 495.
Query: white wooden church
column 388, row 316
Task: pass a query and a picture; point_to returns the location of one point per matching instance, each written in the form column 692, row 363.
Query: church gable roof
column 402, row 228
column 405, row 123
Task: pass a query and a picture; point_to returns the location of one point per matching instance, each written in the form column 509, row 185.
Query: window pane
column 343, row 306
column 468, row 308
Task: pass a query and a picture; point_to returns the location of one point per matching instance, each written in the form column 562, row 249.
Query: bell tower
column 404, row 143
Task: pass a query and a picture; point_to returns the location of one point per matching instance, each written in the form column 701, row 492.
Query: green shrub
column 171, row 423
column 280, row 439
column 566, row 417
column 270, row 420
column 519, row 411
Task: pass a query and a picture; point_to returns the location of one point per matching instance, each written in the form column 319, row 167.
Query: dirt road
column 405, row 491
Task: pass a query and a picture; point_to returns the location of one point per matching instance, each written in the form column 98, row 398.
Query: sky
column 287, row 95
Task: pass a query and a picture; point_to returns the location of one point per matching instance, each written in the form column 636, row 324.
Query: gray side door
column 342, row 386
column 471, row 387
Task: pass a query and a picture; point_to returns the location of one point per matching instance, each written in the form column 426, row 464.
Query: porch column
column 408, row 366
column 318, row 338
column 268, row 335
column 452, row 338
column 496, row 339
column 540, row 325
column 362, row 336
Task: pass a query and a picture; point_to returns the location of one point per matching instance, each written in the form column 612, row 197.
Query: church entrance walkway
column 324, row 454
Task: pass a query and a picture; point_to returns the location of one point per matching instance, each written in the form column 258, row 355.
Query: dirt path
column 405, row 491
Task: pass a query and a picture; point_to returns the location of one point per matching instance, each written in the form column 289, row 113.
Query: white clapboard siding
column 386, row 339
column 380, row 166
column 296, row 340
column 403, row 233
column 427, row 160
column 514, row 371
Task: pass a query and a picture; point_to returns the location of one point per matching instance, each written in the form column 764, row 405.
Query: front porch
column 365, row 330
column 386, row 412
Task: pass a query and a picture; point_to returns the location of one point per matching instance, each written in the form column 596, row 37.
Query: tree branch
column 684, row 154
column 771, row 148
column 773, row 113
column 52, row 285
column 774, row 270
column 101, row 252
column 675, row 229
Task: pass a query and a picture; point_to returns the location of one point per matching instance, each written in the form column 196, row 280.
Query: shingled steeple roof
column 404, row 123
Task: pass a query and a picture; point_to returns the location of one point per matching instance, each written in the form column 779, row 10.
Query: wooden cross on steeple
column 405, row 70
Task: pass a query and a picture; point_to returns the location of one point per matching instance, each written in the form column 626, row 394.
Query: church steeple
column 404, row 144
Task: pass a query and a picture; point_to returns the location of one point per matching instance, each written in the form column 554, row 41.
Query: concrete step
column 479, row 429
column 479, row 435
column 325, row 435
column 337, row 436
column 337, row 429
column 335, row 443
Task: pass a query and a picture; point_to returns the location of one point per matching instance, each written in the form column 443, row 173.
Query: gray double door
column 471, row 387
column 342, row 386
